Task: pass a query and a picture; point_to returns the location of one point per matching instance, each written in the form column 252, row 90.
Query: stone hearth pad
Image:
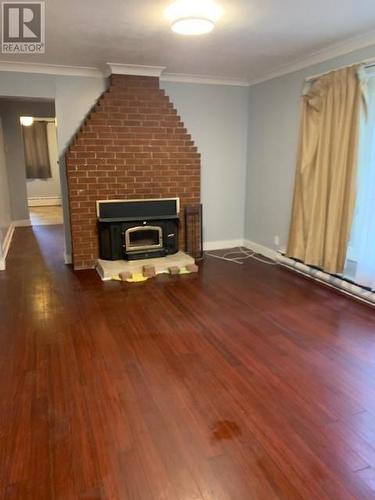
column 107, row 269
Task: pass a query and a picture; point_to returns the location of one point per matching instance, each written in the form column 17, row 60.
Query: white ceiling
column 253, row 39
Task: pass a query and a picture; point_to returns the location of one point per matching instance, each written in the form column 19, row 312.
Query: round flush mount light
column 193, row 17
column 192, row 26
column 26, row 121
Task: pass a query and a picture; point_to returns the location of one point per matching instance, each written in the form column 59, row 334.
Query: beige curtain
column 325, row 184
column 36, row 151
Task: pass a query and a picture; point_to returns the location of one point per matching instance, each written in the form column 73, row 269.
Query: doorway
column 42, row 170
column 32, row 165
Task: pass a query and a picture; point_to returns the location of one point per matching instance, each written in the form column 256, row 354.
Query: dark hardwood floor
column 240, row 382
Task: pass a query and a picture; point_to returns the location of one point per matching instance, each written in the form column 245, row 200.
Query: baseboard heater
column 331, row 280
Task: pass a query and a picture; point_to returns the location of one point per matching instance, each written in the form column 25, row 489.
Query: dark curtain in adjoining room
column 36, row 151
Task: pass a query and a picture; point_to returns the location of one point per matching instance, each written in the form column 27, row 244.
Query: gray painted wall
column 73, row 95
column 10, row 112
column 232, row 126
column 274, row 109
column 216, row 117
column 5, row 217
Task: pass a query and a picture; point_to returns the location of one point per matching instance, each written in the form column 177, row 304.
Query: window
column 360, row 262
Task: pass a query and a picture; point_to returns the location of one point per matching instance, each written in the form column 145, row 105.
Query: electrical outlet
column 276, row 240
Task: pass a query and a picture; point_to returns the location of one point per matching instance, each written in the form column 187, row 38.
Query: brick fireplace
column 132, row 145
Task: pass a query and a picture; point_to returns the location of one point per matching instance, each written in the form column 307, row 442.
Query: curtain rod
column 368, row 63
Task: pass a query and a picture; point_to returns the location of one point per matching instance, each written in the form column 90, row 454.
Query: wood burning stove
column 137, row 229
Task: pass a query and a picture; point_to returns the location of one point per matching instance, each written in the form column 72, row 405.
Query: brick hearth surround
column 131, row 145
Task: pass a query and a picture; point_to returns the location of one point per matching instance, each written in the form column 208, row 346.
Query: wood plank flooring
column 240, row 382
column 46, row 215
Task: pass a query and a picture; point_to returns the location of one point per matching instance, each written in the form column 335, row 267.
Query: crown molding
column 208, row 80
column 134, row 69
column 49, row 69
column 331, row 52
column 121, row 69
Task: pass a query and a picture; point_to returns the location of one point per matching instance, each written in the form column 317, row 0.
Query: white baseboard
column 218, row 245
column 262, row 250
column 21, row 223
column 8, row 240
column 5, row 248
column 68, row 258
column 44, row 201
column 251, row 245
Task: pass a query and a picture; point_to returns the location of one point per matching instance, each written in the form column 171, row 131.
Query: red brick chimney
column 131, row 145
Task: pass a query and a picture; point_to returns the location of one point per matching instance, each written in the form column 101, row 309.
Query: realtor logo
column 23, row 28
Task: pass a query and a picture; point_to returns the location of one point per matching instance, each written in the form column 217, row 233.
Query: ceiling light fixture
column 26, row 121
column 193, row 17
